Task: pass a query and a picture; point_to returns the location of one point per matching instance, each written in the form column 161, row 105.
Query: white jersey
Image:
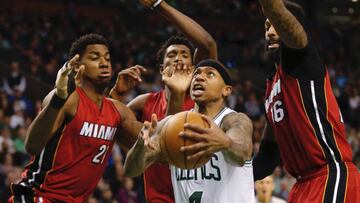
column 217, row 181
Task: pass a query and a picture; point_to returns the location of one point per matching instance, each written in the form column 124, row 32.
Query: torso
column 216, row 181
column 73, row 161
column 304, row 115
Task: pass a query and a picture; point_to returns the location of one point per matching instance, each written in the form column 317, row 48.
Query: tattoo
column 286, row 25
column 237, row 120
column 239, row 128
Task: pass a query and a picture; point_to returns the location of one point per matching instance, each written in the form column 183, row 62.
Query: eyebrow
column 97, row 53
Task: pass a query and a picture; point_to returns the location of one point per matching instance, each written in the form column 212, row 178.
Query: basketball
column 171, row 142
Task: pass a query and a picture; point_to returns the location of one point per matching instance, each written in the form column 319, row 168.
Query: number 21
column 99, row 157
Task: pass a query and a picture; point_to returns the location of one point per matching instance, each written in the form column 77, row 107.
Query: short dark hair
column 220, row 67
column 79, row 46
column 174, row 40
column 297, row 10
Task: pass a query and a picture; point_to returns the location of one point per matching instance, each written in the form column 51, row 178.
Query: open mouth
column 197, row 90
column 273, row 44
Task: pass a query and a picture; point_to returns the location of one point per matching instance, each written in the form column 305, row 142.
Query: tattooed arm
column 285, row 23
column 239, row 128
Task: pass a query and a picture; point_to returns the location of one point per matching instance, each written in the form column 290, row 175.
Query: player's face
column 207, row 85
column 271, row 36
column 176, row 53
column 264, row 188
column 96, row 59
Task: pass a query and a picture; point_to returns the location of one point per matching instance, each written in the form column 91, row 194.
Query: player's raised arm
column 289, row 28
column 55, row 107
column 191, row 29
column 146, row 149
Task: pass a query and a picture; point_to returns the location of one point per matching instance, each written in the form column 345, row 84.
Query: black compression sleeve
column 265, row 162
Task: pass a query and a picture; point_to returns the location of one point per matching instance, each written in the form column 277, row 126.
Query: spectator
column 127, row 193
column 264, row 189
column 15, row 79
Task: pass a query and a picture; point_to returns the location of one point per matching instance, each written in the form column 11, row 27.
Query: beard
column 272, row 55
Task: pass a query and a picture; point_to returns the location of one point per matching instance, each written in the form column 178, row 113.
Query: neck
column 210, row 109
column 95, row 94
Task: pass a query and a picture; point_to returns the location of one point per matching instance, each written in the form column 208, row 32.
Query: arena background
column 35, row 36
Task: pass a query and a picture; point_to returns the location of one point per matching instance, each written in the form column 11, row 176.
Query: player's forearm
column 286, row 25
column 135, row 160
column 175, row 103
column 266, row 160
column 238, row 152
column 191, row 29
column 239, row 129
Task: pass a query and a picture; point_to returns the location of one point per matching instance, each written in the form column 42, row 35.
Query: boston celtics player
column 228, row 175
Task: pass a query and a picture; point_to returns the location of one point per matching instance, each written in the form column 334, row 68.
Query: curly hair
column 171, row 41
column 79, row 46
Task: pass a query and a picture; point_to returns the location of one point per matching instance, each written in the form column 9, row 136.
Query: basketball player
column 176, row 58
column 303, row 114
column 72, row 137
column 227, row 177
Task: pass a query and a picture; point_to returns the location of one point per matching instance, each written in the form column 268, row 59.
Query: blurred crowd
column 33, row 46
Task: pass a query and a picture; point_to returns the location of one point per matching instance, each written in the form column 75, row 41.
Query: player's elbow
column 300, row 43
column 32, row 148
column 211, row 48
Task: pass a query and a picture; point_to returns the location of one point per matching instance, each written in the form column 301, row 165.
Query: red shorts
column 331, row 183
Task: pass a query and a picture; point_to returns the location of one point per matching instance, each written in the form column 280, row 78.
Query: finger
column 192, row 149
column 153, row 121
column 135, row 75
column 195, row 128
column 192, row 136
column 74, row 59
column 151, row 145
column 197, row 155
column 140, row 69
column 79, row 74
column 65, row 70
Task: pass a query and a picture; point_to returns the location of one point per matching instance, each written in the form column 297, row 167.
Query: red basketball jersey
column 306, row 122
column 157, row 179
column 73, row 161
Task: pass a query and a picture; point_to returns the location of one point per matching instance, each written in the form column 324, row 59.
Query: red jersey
column 306, row 121
column 73, row 161
column 157, row 179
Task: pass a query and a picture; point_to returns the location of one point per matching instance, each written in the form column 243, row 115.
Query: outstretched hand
column 208, row 140
column 62, row 77
column 128, row 78
column 147, row 131
column 178, row 78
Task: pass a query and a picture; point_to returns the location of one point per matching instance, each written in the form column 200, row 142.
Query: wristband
column 155, row 4
column 57, row 102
